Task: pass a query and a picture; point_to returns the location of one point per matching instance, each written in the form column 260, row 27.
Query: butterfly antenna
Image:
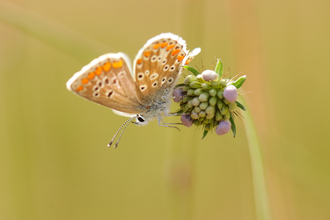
column 121, row 134
column 125, row 123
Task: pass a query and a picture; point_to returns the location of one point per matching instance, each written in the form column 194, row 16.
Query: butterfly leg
column 166, row 124
column 167, row 114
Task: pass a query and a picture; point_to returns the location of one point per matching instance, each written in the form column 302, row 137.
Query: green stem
column 258, row 173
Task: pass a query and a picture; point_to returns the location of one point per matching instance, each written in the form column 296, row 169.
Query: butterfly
column 142, row 94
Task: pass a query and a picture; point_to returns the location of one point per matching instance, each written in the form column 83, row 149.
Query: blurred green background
column 54, row 163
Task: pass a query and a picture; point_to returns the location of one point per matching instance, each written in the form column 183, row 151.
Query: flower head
column 209, row 100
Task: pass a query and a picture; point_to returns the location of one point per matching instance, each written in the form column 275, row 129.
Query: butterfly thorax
column 155, row 108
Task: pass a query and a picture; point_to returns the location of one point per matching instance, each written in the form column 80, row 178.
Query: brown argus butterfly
column 143, row 94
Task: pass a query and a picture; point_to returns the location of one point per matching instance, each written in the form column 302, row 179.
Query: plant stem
column 258, row 173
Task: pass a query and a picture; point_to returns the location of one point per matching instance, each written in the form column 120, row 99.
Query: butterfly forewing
column 107, row 80
column 158, row 64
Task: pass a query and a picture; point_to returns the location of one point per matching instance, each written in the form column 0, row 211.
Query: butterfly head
column 141, row 120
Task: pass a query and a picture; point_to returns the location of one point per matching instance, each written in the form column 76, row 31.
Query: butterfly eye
column 140, row 118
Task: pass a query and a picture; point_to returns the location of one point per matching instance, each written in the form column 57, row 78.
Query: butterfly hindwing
column 107, row 80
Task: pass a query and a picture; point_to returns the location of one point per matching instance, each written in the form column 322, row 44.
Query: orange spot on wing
column 107, row 66
column 169, row 47
column 91, row 75
column 120, row 63
column 139, row 61
column 162, row 45
column 175, row 52
column 79, row 88
column 156, row 46
column 84, row 81
column 147, row 53
column 98, row 71
column 180, row 58
column 117, row 64
column 187, row 62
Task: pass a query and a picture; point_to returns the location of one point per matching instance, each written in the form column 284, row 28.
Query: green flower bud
column 202, row 114
column 209, row 116
column 220, row 104
column 197, row 109
column 207, row 121
column 218, row 116
column 224, row 110
column 204, row 96
column 201, row 119
column 185, row 108
column 189, row 79
column 220, row 94
column 198, row 91
column 213, row 101
column 190, row 92
column 186, row 99
column 223, row 82
column 213, row 92
column 226, row 101
column 226, row 116
column 189, row 104
column 206, row 86
column 214, row 84
column 195, row 84
column 185, row 88
column 200, row 78
column 194, row 115
column 210, row 110
column 197, row 122
column 195, row 101
column 203, row 105
column 232, row 106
